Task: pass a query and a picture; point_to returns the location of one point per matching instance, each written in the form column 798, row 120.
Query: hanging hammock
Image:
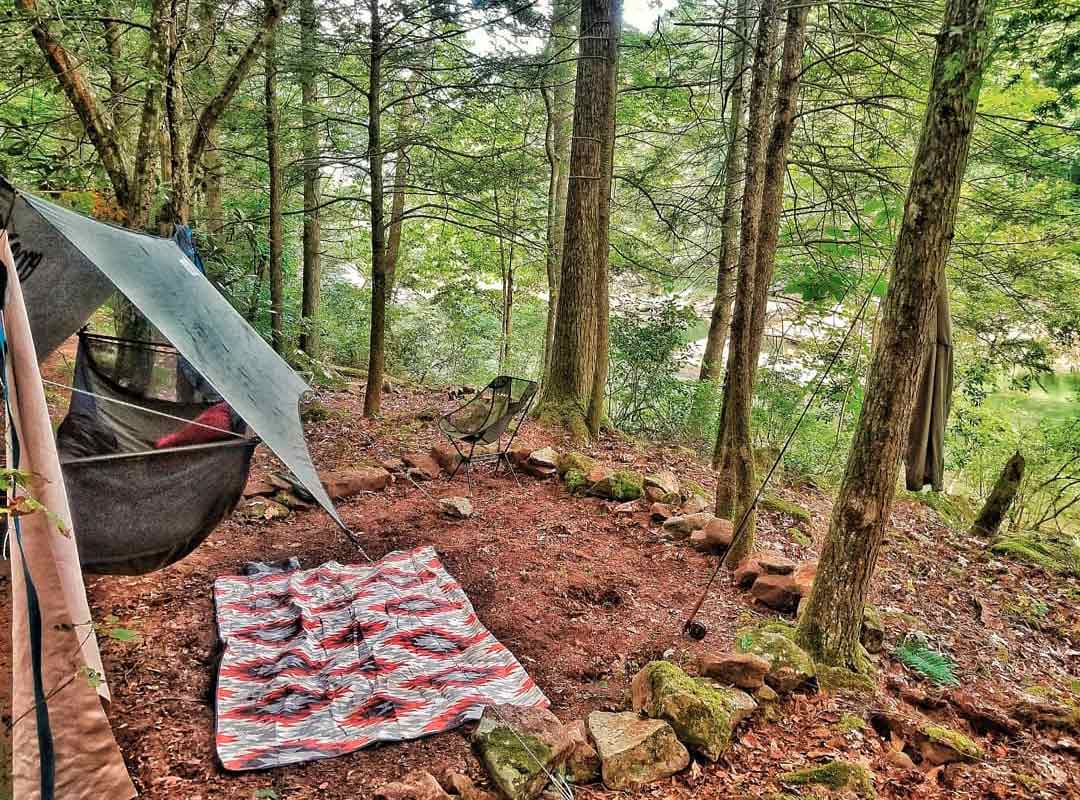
column 138, row 504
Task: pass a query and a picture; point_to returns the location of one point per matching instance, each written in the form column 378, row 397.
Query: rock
column 799, row 537
column 789, row 665
column 775, row 564
column 776, row 591
column 945, row 746
column 1046, row 714
column 835, row 775
column 695, row 504
column 417, row 785
column 261, row 508
column 872, row 635
column 665, row 481
column 766, row 694
column 899, row 759
column 804, row 575
column 583, row 763
column 291, row 501
column 652, row 495
column 934, row 744
column 746, row 573
column 744, row 670
column 537, row 470
column 707, row 542
column 771, row 502
column 511, row 740
column 256, row 487
column 720, row 529
column 423, row 464
column 463, row 786
column 348, row 483
column 982, row 715
column 545, row 457
column 682, row 526
column 446, row 457
column 575, row 461
column 620, row 484
column 660, row 511
column 395, row 466
column 519, row 456
column 702, row 714
column 456, row 507
column 838, row 679
column 635, row 751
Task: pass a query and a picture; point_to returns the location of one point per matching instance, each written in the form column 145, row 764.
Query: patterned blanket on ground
column 324, row 661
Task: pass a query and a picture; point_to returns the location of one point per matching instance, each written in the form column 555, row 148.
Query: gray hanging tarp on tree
column 69, row 264
column 924, row 457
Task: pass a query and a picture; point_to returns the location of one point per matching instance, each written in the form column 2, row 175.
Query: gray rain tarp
column 68, row 265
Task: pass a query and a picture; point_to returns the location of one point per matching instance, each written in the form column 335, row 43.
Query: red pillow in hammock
column 217, row 416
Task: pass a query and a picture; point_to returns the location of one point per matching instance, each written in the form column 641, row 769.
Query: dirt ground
column 583, row 595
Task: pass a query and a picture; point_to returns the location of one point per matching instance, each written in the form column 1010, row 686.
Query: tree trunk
column 277, row 231
column 309, row 310
column 768, row 235
column 377, row 337
column 397, row 198
column 712, row 365
column 829, row 626
column 559, row 103
column 997, row 504
column 595, row 415
column 735, row 410
column 211, row 160
column 574, row 347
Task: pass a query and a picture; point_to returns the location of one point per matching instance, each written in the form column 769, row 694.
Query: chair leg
column 468, row 475
column 510, row 467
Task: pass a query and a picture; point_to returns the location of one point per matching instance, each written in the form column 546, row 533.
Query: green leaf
column 266, row 794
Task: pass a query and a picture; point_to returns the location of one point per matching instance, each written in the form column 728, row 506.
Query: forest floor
column 584, row 595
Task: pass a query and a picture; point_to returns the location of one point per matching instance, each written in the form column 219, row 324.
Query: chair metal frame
column 515, row 417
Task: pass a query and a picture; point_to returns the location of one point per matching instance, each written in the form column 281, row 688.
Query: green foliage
column 916, row 654
column 645, row 394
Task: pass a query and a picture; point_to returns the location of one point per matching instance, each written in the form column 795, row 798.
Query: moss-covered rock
column 952, row 742
column 835, row 775
column 622, row 485
column 702, row 714
column 799, row 537
column 691, row 489
column 838, row 679
column 789, row 665
column 635, row 751
column 771, row 502
column 574, row 461
column 1054, row 552
column 575, row 481
column 520, row 747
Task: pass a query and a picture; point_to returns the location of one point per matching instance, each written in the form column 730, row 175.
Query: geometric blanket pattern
column 324, row 661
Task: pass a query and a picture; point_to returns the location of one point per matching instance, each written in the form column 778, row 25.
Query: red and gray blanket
column 324, row 661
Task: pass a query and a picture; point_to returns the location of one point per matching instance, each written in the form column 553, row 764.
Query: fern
column 917, row 656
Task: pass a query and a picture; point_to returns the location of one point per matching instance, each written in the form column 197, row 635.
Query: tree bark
column 377, row 337
column 1001, row 497
column 748, row 338
column 735, row 410
column 277, row 229
column 830, row 625
column 559, row 104
column 573, row 369
column 211, row 160
column 397, row 197
column 595, row 417
column 712, row 362
column 312, row 289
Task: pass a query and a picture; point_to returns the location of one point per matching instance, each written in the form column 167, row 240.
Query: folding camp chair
column 484, row 419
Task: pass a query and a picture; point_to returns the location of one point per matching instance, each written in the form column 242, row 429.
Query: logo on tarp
column 26, row 260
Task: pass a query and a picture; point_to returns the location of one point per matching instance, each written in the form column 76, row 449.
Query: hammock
column 136, row 507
